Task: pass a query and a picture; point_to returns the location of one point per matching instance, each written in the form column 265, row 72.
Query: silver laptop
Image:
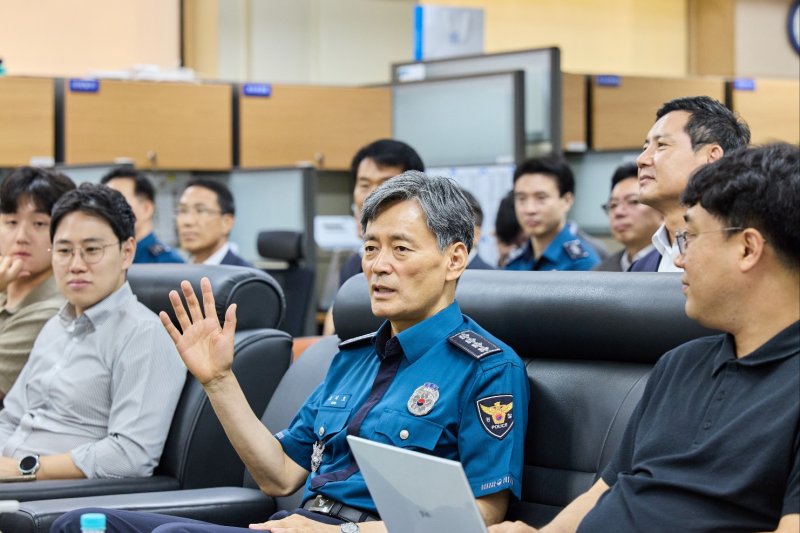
column 415, row 492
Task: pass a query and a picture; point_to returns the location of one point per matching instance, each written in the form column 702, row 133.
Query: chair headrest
column 616, row 316
column 259, row 298
column 281, row 244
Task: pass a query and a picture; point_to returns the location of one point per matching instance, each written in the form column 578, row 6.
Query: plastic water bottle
column 93, row 523
column 9, row 506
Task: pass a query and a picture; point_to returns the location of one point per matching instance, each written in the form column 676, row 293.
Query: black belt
column 323, row 505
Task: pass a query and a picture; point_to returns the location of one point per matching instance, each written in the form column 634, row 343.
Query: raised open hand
column 205, row 347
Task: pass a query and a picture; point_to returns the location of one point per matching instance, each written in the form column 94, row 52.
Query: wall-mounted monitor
column 542, row 73
column 470, row 120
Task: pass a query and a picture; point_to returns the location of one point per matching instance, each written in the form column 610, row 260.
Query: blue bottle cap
column 92, row 521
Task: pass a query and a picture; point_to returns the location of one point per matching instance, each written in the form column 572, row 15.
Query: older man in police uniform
column 430, row 379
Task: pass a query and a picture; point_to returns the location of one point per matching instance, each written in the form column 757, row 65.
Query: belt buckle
column 321, row 504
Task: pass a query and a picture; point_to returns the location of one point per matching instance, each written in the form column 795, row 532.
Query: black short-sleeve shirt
column 713, row 445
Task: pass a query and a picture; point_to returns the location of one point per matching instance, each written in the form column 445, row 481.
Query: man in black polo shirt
column 714, row 444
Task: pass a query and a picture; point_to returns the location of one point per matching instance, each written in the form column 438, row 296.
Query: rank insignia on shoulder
column 474, row 344
column 357, row 341
column 575, row 249
column 496, row 414
column 158, row 249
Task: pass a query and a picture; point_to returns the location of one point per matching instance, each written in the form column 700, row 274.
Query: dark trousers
column 119, row 521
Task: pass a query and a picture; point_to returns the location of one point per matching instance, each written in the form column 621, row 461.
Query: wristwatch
column 349, row 527
column 29, row 465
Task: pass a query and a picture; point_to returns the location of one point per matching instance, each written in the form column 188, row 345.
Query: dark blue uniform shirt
column 152, row 250
column 479, row 417
column 568, row 251
column 713, row 444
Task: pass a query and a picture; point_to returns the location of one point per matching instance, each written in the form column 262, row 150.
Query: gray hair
column 448, row 214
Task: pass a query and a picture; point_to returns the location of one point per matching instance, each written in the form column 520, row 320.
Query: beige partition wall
column 27, row 125
column 323, row 126
column 771, row 108
column 173, row 126
column 623, row 112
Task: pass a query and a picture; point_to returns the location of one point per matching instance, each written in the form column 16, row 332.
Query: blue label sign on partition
column 608, row 80
column 264, row 90
column 744, row 84
column 77, row 85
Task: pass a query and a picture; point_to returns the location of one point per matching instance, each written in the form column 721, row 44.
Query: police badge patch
column 496, row 414
column 423, row 399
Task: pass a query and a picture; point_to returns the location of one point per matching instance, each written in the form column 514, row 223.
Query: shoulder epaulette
column 356, row 341
column 575, row 249
column 158, row 249
column 474, row 344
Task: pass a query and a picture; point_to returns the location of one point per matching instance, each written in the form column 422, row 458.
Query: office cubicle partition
column 273, row 199
column 470, row 120
column 542, row 75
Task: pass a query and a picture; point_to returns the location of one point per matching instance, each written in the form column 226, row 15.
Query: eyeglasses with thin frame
column 612, row 205
column 682, row 238
column 90, row 254
column 199, row 210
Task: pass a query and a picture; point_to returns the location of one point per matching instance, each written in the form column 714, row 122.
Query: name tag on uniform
column 337, row 400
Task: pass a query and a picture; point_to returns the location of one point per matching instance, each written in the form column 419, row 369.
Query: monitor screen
column 472, row 120
column 541, row 67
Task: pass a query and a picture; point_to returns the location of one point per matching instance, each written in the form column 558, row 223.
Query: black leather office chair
column 588, row 339
column 197, row 453
column 297, row 279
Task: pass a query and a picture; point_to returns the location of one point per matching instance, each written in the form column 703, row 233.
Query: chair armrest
column 74, row 488
column 230, row 506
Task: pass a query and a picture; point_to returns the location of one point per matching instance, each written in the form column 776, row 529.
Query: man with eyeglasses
column 632, row 223
column 205, row 218
column 688, row 133
column 714, row 444
column 97, row 394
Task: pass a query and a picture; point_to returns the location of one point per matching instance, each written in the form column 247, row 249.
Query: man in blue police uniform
column 430, row 379
column 543, row 195
column 714, row 443
column 141, row 196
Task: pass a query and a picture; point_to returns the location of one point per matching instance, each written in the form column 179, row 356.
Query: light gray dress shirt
column 102, row 386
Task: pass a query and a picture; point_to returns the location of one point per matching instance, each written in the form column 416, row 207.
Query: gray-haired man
column 417, row 234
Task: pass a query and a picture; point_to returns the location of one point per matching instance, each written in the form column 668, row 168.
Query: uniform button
column 404, row 434
column 321, row 430
column 707, row 425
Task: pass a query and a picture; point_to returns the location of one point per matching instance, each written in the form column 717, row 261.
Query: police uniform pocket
column 409, row 431
column 330, row 421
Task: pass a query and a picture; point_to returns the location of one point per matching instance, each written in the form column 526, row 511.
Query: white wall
column 71, row 38
column 762, row 46
column 314, row 41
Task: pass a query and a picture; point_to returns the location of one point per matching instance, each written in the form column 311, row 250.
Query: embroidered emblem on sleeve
column 496, row 414
column 474, row 344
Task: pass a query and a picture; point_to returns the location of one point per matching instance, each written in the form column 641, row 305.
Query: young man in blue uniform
column 141, row 196
column 714, row 443
column 543, row 195
column 430, row 379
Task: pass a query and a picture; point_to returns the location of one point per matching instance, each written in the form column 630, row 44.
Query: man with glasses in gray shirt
column 97, row 395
